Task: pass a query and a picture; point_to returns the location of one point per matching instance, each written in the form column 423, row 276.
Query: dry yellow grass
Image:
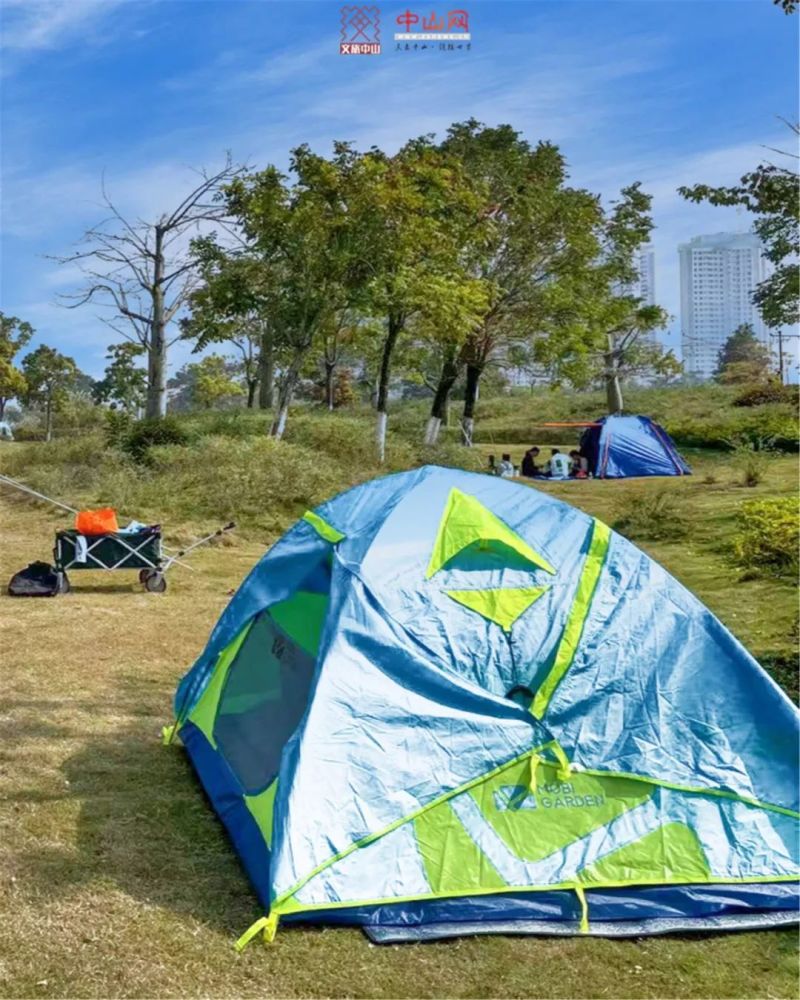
column 116, row 880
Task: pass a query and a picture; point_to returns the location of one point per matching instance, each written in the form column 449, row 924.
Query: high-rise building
column 643, row 285
column 646, row 267
column 718, row 275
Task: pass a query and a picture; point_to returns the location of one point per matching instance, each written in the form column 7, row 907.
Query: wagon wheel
column 64, row 586
column 155, row 582
column 143, row 575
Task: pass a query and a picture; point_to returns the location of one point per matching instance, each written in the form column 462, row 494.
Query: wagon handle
column 201, row 541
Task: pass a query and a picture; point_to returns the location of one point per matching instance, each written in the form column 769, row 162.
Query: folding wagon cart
column 139, row 549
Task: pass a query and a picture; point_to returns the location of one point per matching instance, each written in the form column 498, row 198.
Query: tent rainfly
column 620, row 447
column 444, row 703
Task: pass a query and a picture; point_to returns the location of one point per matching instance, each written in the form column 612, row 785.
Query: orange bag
column 97, row 522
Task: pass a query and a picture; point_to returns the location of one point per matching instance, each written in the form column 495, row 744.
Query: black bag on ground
column 39, row 579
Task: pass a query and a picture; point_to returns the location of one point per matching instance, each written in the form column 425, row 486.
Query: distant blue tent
column 444, row 703
column 622, row 447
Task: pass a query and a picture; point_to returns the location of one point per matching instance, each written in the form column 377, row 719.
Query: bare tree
column 144, row 273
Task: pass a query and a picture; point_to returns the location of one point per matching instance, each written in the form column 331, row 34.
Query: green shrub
column 147, row 434
column 81, row 450
column 769, row 532
column 453, row 455
column 776, row 423
column 118, row 427
column 258, row 480
column 29, row 427
column 768, row 392
column 77, row 414
column 239, row 423
column 751, row 459
column 651, row 516
column 351, row 441
column 80, row 471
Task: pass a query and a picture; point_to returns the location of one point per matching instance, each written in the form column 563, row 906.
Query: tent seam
column 558, row 886
column 591, row 571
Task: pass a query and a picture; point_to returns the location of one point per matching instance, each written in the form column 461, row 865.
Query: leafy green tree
column 49, row 376
column 346, row 341
column 540, row 231
column 306, row 252
column 424, row 218
column 12, row 384
column 124, row 383
column 592, row 331
column 211, row 381
column 181, row 390
column 772, row 194
column 230, row 307
column 14, row 335
column 788, row 6
column 743, row 358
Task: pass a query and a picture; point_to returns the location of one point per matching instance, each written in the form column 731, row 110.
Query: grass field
column 116, row 879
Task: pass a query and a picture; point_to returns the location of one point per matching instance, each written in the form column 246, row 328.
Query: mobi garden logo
column 361, row 32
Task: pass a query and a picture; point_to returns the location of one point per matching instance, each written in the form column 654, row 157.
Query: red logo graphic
column 433, row 23
column 361, row 31
column 451, row 32
column 408, row 20
column 457, row 20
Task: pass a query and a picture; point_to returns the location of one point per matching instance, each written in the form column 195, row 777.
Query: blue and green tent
column 444, row 703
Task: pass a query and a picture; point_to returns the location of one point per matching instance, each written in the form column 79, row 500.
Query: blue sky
column 143, row 91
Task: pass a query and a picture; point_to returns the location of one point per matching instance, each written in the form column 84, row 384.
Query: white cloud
column 47, row 24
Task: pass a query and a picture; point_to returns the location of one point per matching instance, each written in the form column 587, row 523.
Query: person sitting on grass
column 506, row 467
column 492, row 468
column 580, row 465
column 529, row 468
column 558, row 466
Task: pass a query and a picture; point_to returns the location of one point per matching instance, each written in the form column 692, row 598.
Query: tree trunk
column 252, row 385
column 156, row 374
column 157, row 348
column 441, row 398
column 48, row 419
column 285, row 393
column 474, row 372
column 613, row 394
column 266, row 370
column 330, row 389
column 392, row 333
column 3, row 402
column 613, row 388
column 279, row 420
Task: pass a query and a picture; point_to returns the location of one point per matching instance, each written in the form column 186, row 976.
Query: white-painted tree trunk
column 467, row 427
column 380, row 436
column 280, row 423
column 432, row 430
